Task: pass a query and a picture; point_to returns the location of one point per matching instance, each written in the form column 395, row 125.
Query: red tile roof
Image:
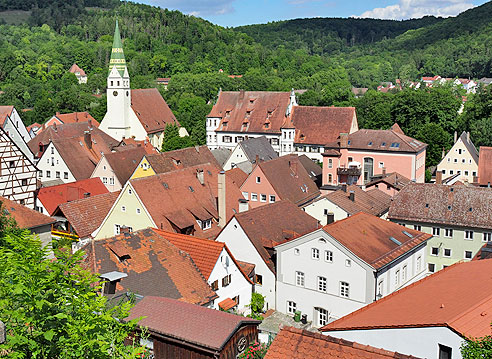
column 5, row 111
column 24, row 216
column 293, row 343
column 273, row 224
column 255, row 108
column 86, row 215
column 204, row 252
column 76, row 117
column 227, row 304
column 51, row 197
column 383, row 140
column 75, row 68
column 393, row 179
column 374, row 202
column 369, row 238
column 154, row 267
column 182, row 158
column 237, row 175
column 189, row 323
column 131, row 142
column 124, row 162
column 458, row 297
column 321, row 125
column 485, row 166
column 152, row 111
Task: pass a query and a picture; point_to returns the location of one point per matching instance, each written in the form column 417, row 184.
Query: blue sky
column 243, row 12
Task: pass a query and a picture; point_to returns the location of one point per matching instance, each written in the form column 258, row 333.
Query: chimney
column 293, row 167
column 221, row 194
column 330, row 218
column 88, row 139
column 199, row 176
column 384, row 171
column 438, row 177
column 343, row 140
column 54, row 127
column 352, row 196
column 344, row 187
column 243, row 205
column 57, row 113
column 241, row 94
column 90, row 124
column 455, row 136
column 257, row 159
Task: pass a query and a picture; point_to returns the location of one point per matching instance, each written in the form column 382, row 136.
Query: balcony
column 350, row 171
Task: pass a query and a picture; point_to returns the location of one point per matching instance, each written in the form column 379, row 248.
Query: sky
column 232, row 13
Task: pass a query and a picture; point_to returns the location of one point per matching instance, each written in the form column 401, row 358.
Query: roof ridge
column 257, row 209
column 409, row 242
column 458, row 316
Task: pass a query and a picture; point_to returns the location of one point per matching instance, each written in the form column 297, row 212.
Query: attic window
column 269, row 114
column 348, row 143
column 395, row 145
column 252, row 100
column 191, row 189
column 370, row 143
column 407, row 234
column 449, row 207
column 383, row 144
column 166, row 186
column 427, row 205
column 470, row 209
column 248, row 114
column 267, row 124
column 228, row 114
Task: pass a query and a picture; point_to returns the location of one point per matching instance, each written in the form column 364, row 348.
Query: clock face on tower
column 115, row 93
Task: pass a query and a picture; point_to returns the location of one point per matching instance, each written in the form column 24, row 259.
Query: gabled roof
column 126, row 143
column 290, row 179
column 75, row 68
column 374, row 240
column 188, row 323
column 465, row 138
column 393, row 179
column 374, row 202
column 294, row 343
column 75, row 117
column 255, row 108
column 123, row 163
column 177, row 199
column 485, row 166
column 204, row 252
column 152, row 111
column 321, row 125
column 182, row 158
column 86, row 215
column 465, row 206
column 458, row 297
column 51, row 197
column 272, row 224
column 221, row 155
column 154, row 266
column 384, row 140
column 313, row 169
column 24, row 216
column 237, row 175
column 5, row 111
column 258, row 146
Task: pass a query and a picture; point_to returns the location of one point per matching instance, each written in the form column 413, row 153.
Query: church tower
column 116, row 122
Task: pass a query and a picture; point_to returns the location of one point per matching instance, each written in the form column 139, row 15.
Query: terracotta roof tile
column 374, row 202
column 201, row 326
column 86, row 215
column 247, row 268
column 237, row 175
column 154, row 266
column 24, row 216
column 485, row 166
column 255, row 108
column 442, row 299
column 76, row 117
column 5, row 111
column 227, row 304
column 466, row 206
column 51, row 197
column 151, row 109
column 75, row 68
column 293, row 343
column 273, row 224
column 321, row 125
column 183, row 158
column 123, row 163
column 375, row 240
column 131, row 142
column 394, row 179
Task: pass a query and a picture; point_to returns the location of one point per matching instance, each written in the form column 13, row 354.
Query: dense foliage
column 477, row 348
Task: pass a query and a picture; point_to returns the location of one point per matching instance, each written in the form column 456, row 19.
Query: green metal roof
column 117, row 55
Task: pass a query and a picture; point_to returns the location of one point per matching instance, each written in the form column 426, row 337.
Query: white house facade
column 51, row 166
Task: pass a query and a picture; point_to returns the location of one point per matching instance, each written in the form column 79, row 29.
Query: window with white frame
column 300, row 279
column 330, row 163
column 315, row 253
column 111, row 180
column 344, row 289
column 297, row 251
column 397, row 278
column 447, row 252
column 263, row 197
column 404, row 274
column 348, row 262
column 138, row 210
column 436, row 231
column 448, row 232
column 322, row 316
column 432, row 267
column 469, row 235
column 329, row 256
column 468, row 254
column 123, row 209
column 254, row 196
column 381, row 288
column 105, row 180
column 419, row 263
column 258, row 179
column 291, row 307
column 487, row 237
column 322, row 284
column 117, row 229
column 381, row 164
column 227, row 139
column 434, row 251
column 272, row 198
column 246, row 195
column 417, row 227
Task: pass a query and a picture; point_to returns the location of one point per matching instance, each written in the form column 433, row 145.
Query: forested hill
column 326, row 35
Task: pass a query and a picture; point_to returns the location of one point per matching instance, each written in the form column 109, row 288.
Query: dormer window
column 267, row 124
column 228, row 114
column 248, row 114
column 205, row 224
column 269, row 114
column 252, row 100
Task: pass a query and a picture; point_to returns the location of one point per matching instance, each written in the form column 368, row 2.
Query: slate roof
column 442, row 299
column 485, row 166
column 290, row 179
column 321, row 125
column 24, row 216
column 178, row 199
column 204, row 252
column 188, row 323
column 465, row 206
column 374, row 240
column 294, row 343
column 258, row 146
column 182, row 158
column 374, row 202
column 86, row 215
column 394, row 179
column 123, row 163
column 152, row 111
column 52, row 197
column 221, row 155
column 154, row 266
column 237, row 175
column 272, row 224
column 263, row 107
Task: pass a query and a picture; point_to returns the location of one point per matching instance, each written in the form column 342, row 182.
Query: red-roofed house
column 357, row 157
column 430, row 318
column 220, row 269
column 73, row 117
column 485, row 166
column 79, row 73
column 337, row 269
column 49, row 198
column 12, row 124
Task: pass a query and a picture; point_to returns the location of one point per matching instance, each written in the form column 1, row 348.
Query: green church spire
column 117, row 55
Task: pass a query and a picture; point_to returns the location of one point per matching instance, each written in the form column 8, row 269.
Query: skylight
column 383, row 144
column 396, row 241
column 395, row 145
column 407, row 234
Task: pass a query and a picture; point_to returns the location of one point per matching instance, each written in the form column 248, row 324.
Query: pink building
column 362, row 155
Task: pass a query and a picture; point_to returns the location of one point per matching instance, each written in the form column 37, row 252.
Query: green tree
column 477, row 348
column 437, row 139
column 256, row 305
column 172, row 140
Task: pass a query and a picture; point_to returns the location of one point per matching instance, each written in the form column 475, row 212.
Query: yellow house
column 461, row 162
